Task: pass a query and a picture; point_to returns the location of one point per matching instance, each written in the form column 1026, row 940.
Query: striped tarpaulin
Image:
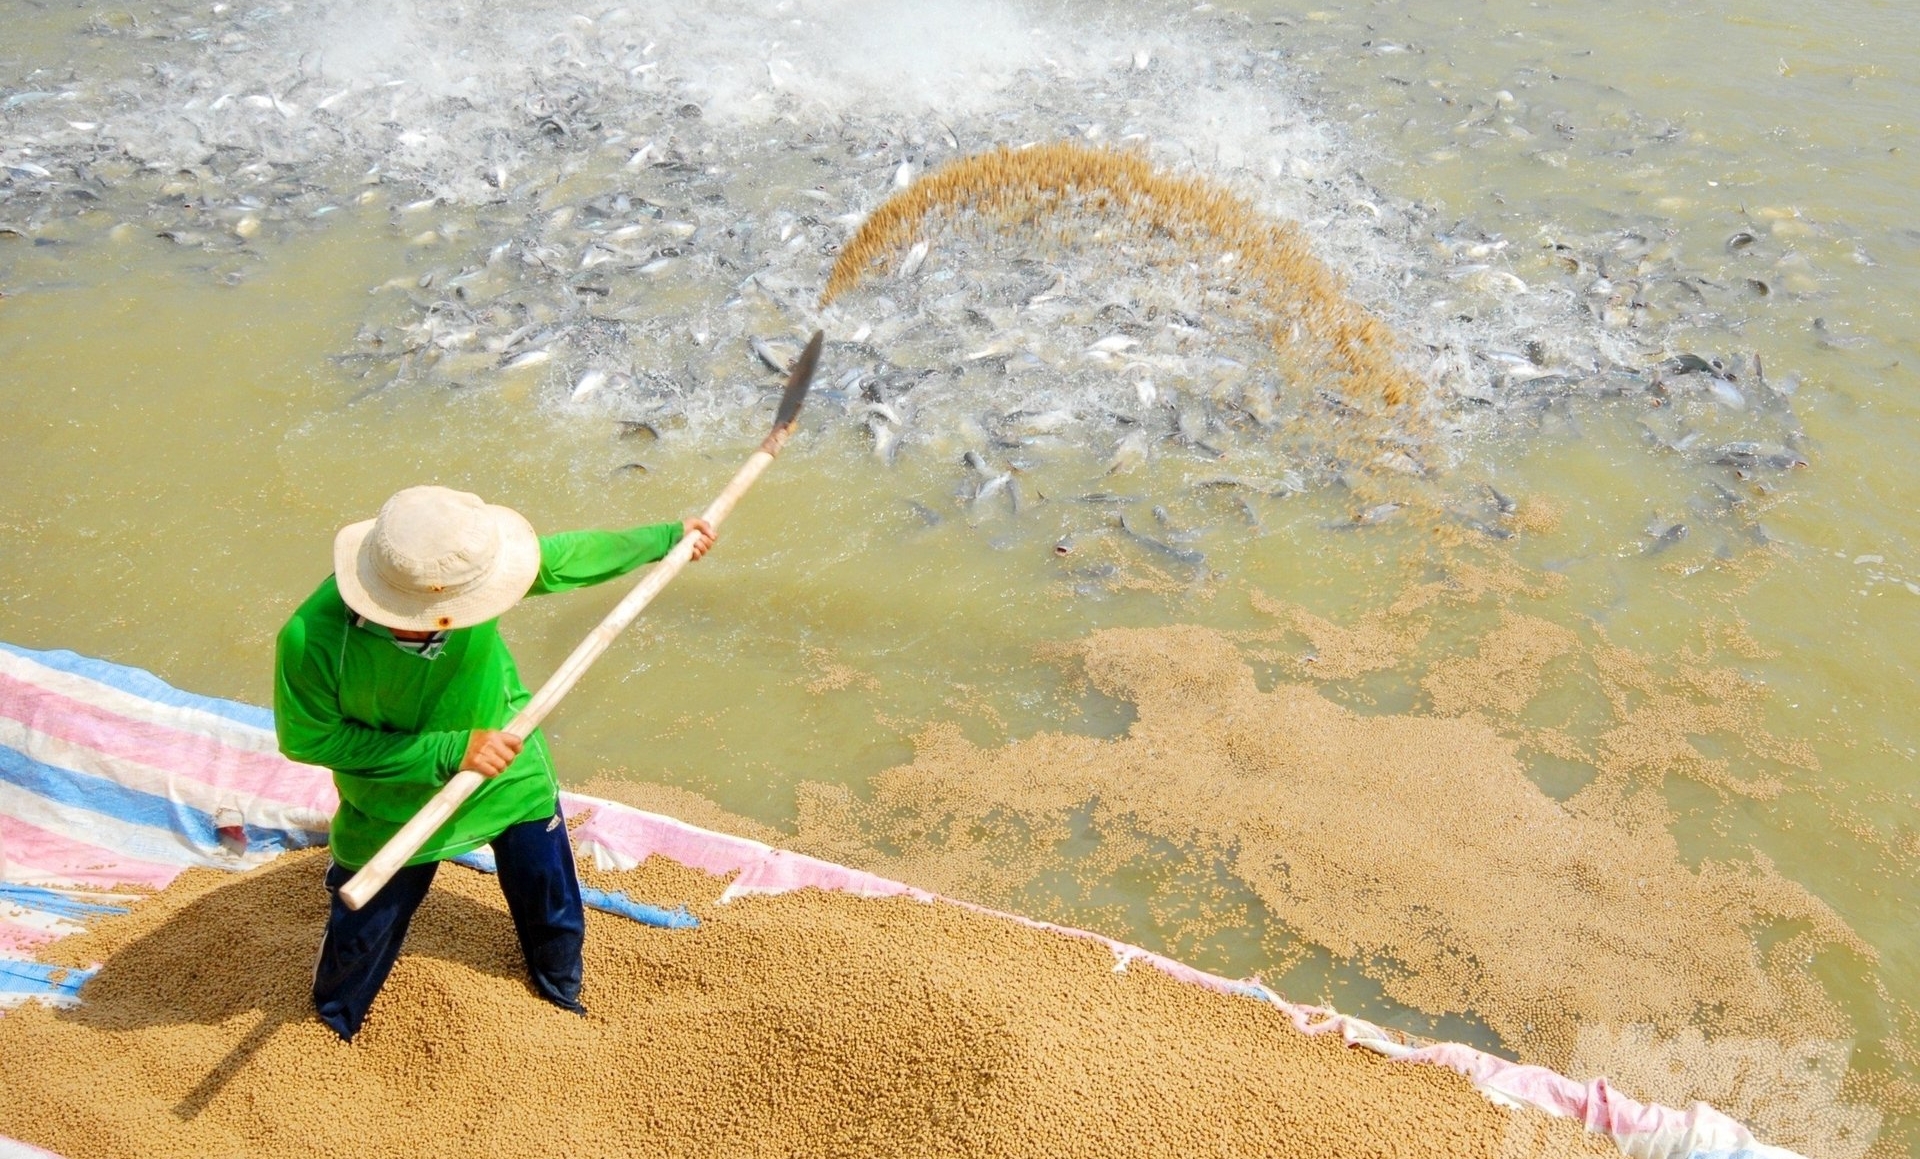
column 108, row 775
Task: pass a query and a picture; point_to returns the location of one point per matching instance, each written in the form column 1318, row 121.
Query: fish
column 328, row 102
column 1666, row 537
column 1693, row 364
column 915, row 256
column 1184, row 555
column 1056, row 290
column 1827, row 339
column 1271, row 488
column 1129, row 453
column 774, row 357
column 923, row 513
column 1740, row 454
column 1175, row 534
column 1726, row 393
column 1000, row 347
column 589, row 384
column 1030, row 423
column 530, row 358
column 886, row 440
column 992, row 487
column 1376, row 514
column 1499, row 282
column 1505, row 505
column 1104, row 497
column 1091, row 576
column 1728, row 499
column 1064, row 545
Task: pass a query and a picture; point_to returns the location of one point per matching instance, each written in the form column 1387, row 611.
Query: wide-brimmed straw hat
column 435, row 559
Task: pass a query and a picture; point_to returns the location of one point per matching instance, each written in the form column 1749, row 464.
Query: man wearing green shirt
column 393, row 675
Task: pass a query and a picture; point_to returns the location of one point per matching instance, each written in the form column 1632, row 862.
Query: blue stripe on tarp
column 677, row 918
column 480, row 859
column 34, row 978
column 97, row 794
column 144, row 685
column 168, row 819
column 282, row 840
column 51, row 901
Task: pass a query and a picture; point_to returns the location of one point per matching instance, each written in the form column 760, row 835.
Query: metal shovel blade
column 799, row 379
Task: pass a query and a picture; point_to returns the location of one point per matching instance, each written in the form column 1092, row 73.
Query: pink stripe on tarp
column 21, row 940
column 1596, row 1104
column 38, row 853
column 778, row 871
column 632, row 831
column 194, row 756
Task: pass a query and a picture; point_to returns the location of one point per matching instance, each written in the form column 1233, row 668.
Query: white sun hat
column 436, row 559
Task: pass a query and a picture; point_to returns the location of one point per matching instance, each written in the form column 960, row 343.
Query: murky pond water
column 263, row 267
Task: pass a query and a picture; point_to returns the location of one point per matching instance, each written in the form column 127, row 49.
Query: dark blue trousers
column 535, row 861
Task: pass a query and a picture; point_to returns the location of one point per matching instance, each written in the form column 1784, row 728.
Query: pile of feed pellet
column 805, row 1024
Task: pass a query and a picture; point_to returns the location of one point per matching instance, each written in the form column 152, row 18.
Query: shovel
column 404, row 844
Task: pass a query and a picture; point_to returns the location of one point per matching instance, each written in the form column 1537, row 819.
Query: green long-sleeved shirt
column 393, row 726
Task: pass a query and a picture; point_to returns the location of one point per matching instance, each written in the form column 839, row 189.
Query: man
column 393, row 675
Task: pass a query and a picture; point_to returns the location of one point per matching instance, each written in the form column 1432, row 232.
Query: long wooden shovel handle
column 401, row 847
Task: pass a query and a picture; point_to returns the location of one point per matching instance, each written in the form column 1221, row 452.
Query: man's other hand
column 701, row 532
column 490, row 752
